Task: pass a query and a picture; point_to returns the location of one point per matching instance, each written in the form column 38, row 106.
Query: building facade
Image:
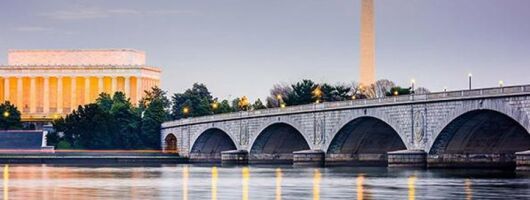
column 46, row 84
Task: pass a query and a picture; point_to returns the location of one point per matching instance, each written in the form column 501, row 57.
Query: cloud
column 95, row 13
column 32, row 29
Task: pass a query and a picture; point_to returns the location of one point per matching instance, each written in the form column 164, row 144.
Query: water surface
column 255, row 182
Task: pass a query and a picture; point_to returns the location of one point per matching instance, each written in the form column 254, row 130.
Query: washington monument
column 367, row 59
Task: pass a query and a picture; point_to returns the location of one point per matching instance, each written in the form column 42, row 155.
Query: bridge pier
column 407, row 158
column 522, row 161
column 336, row 159
column 234, row 157
column 498, row 161
column 309, row 158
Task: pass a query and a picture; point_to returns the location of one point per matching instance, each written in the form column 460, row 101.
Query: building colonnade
column 41, row 96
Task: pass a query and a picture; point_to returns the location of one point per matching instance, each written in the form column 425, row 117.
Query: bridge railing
column 507, row 90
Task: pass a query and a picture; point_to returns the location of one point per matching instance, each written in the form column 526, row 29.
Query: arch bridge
column 479, row 128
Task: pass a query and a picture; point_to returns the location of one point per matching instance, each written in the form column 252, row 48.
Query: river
column 257, row 182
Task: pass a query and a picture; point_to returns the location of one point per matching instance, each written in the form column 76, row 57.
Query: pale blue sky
column 243, row 47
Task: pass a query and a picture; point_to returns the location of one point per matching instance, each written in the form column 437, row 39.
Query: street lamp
column 317, row 93
column 282, row 105
column 469, row 77
column 215, row 105
column 412, row 82
column 185, row 111
column 501, row 83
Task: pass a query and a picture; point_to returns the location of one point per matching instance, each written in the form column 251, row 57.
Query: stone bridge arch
column 482, row 133
column 517, row 115
column 275, row 141
column 209, row 142
column 383, row 116
column 364, row 139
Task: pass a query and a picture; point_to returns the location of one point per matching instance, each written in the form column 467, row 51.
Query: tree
column 196, row 100
column 127, row 123
column 382, row 87
column 398, row 91
column 302, row 93
column 258, row 105
column 10, row 116
column 244, row 103
column 154, row 109
column 224, row 107
column 278, row 95
column 339, row 92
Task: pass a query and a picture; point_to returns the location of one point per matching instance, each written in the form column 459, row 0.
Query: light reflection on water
column 255, row 182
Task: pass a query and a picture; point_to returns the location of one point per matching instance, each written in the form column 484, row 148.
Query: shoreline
column 92, row 158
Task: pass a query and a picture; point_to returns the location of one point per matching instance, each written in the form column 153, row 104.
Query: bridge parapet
column 359, row 103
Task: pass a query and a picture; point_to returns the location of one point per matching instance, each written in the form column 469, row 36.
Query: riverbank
column 124, row 158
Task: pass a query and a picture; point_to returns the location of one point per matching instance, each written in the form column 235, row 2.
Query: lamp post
column 185, row 111
column 412, row 84
column 215, row 105
column 317, row 93
column 501, row 83
column 469, row 78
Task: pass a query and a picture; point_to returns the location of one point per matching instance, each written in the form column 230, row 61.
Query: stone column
column 127, row 86
column 60, row 95
column 6, row 89
column 73, row 87
column 46, row 95
column 87, row 90
column 114, row 84
column 32, row 95
column 100, row 84
column 20, row 94
column 139, row 89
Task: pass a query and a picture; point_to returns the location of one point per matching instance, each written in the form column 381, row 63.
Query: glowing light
column 185, row 110
column 245, row 173
column 412, row 81
column 214, row 183
column 360, row 187
column 469, row 191
column 501, row 83
column 279, row 96
column 215, row 105
column 282, row 105
column 278, row 183
column 6, row 114
column 185, row 178
column 353, row 97
column 469, row 75
column 412, row 187
column 316, row 184
column 396, row 93
column 6, row 182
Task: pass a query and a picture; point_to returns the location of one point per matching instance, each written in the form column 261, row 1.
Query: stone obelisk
column 367, row 43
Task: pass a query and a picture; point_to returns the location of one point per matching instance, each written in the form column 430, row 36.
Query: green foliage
column 335, row 93
column 9, row 117
column 113, row 123
column 302, row 93
column 399, row 91
column 224, row 107
column 258, row 105
column 197, row 100
column 154, row 113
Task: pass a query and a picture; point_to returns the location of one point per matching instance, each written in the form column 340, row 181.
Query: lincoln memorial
column 46, row 84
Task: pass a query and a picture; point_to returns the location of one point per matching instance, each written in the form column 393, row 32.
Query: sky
column 244, row 47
